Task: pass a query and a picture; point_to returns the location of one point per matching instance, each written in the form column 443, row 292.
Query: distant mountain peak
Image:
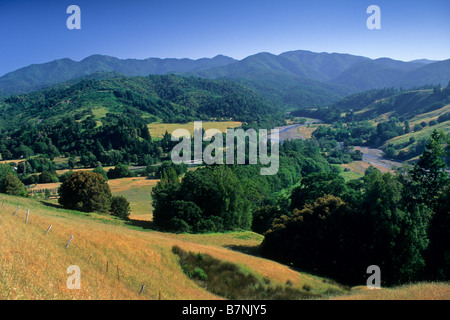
column 295, row 77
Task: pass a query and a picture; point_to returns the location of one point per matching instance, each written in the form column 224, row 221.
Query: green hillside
column 406, row 103
column 37, row 76
column 156, row 97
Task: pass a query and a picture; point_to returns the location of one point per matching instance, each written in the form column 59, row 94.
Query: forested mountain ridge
column 108, row 119
column 38, row 76
column 170, row 98
column 293, row 79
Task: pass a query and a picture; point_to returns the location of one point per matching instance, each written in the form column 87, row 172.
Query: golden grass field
column 116, row 260
column 157, row 130
column 427, row 117
column 419, row 291
column 137, row 190
column 422, row 134
column 360, row 167
column 307, row 131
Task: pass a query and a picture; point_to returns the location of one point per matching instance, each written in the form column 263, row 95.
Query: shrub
column 390, row 153
column 47, row 177
column 120, row 207
column 120, row 171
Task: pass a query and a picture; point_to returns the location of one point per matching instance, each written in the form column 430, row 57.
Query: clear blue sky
column 35, row 31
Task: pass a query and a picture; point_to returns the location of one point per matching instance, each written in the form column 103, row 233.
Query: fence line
column 90, row 256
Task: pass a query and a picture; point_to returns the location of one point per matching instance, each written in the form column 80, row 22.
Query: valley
column 91, row 157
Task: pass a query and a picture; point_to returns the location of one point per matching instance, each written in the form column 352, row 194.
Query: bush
column 120, row 171
column 47, row 177
column 31, row 179
column 85, row 191
column 417, row 128
column 120, row 207
column 390, row 153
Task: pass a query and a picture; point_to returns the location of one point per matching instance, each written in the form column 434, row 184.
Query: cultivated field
column 157, row 130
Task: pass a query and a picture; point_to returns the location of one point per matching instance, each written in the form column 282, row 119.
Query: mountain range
column 293, row 79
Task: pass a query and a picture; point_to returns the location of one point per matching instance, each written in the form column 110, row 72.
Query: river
column 370, row 155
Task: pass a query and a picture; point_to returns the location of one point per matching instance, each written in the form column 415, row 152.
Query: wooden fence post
column 28, row 213
column 49, row 228
column 68, row 243
column 15, row 214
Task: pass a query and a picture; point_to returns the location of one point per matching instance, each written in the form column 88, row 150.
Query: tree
column 71, row 162
column 394, row 233
column 438, row 255
column 339, row 237
column 208, row 199
column 120, row 207
column 5, row 169
column 85, row 191
column 100, row 170
column 88, row 159
column 315, row 186
column 429, row 172
column 47, row 177
column 263, row 218
column 14, row 186
column 314, row 238
column 407, row 127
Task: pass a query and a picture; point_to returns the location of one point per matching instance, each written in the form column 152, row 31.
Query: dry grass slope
column 420, row 291
column 115, row 260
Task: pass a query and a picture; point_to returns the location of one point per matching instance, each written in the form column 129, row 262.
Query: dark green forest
column 398, row 221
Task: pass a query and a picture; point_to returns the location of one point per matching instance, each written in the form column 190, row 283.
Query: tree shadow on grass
column 52, row 205
column 146, row 225
column 250, row 250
